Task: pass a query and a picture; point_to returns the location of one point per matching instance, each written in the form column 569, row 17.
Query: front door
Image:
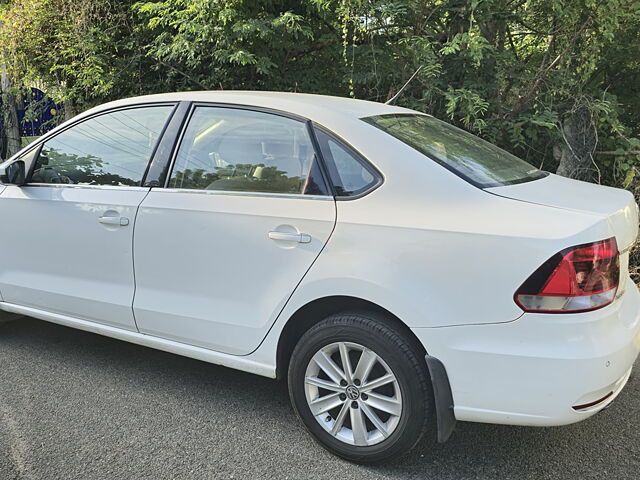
column 246, row 212
column 68, row 233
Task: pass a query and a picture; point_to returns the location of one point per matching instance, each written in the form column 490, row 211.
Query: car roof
column 320, row 108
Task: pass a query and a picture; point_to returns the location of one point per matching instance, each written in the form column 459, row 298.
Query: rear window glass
column 470, row 157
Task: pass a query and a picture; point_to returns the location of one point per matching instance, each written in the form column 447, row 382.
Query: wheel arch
column 316, row 310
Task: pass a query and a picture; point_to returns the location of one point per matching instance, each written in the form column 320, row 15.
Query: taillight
column 577, row 279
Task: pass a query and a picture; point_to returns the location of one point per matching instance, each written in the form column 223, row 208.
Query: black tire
column 416, row 422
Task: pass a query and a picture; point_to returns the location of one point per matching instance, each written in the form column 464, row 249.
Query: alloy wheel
column 353, row 394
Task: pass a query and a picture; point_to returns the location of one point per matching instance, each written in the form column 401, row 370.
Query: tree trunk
column 576, row 151
column 9, row 114
column 69, row 110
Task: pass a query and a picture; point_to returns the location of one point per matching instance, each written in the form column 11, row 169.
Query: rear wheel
column 361, row 388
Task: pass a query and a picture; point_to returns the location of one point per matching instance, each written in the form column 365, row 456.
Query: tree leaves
column 511, row 71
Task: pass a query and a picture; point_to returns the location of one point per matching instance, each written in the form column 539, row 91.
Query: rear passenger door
column 245, row 213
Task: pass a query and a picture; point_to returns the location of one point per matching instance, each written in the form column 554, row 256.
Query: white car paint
column 531, row 371
column 222, row 262
column 442, row 255
column 63, row 259
column 618, row 206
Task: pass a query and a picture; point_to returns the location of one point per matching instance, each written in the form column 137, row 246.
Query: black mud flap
column 446, row 419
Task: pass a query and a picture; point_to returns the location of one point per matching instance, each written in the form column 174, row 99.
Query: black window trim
column 38, row 144
column 158, row 168
column 318, row 156
column 377, row 174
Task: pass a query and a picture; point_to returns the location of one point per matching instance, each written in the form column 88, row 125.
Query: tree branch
column 311, row 49
column 185, row 75
column 618, row 154
column 544, row 70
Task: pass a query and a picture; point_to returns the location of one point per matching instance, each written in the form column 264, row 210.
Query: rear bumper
column 534, row 370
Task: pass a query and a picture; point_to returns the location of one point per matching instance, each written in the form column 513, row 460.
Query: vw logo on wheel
column 352, row 392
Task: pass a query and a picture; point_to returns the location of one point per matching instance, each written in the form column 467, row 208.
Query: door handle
column 118, row 221
column 290, row 237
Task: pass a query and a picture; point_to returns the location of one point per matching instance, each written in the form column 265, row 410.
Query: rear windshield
column 470, row 157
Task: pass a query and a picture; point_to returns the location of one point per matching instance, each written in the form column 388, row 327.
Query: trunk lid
column 616, row 205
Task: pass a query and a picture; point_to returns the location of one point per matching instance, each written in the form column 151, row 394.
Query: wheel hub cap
column 352, row 392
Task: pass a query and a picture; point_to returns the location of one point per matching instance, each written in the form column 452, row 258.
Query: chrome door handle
column 290, row 237
column 119, row 221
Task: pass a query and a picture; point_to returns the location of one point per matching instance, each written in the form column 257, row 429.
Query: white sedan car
column 401, row 273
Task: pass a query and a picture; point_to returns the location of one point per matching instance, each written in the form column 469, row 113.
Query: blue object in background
column 37, row 113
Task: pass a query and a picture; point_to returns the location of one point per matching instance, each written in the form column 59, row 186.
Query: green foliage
column 240, row 44
column 81, row 52
column 510, row 70
column 468, row 106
